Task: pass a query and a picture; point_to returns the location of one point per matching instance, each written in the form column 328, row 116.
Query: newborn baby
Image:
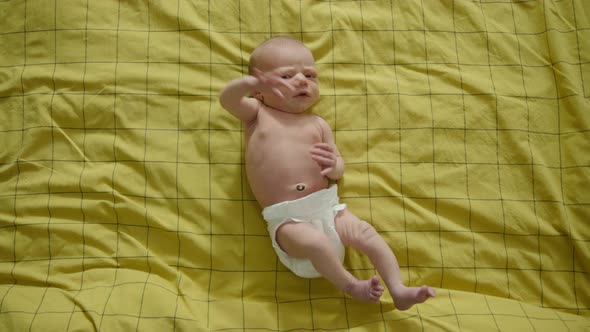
column 290, row 159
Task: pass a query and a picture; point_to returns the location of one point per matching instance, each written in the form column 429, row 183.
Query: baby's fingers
column 285, row 84
column 323, row 146
column 326, row 171
column 321, row 152
column 324, row 161
column 278, row 92
column 264, row 78
column 259, row 75
column 258, row 72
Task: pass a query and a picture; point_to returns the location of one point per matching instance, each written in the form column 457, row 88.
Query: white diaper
column 317, row 209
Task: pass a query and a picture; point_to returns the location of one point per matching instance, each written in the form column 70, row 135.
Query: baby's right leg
column 301, row 240
column 360, row 235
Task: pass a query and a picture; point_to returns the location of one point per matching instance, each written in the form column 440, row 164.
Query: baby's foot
column 405, row 297
column 366, row 290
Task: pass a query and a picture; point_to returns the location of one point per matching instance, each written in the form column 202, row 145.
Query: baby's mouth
column 301, row 94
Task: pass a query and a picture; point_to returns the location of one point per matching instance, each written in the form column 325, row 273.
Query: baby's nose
column 300, row 79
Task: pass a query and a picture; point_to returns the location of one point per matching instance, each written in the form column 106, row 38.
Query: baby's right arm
column 234, row 98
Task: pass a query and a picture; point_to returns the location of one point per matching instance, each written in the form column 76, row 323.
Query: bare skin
column 291, row 154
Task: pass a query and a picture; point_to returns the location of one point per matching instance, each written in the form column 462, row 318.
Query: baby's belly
column 275, row 186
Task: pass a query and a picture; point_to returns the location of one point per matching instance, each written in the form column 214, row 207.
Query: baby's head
column 271, row 48
column 292, row 61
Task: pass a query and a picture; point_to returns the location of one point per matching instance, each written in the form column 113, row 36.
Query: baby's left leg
column 362, row 236
column 302, row 240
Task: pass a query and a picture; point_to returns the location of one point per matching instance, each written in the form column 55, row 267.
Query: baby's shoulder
column 320, row 122
column 315, row 119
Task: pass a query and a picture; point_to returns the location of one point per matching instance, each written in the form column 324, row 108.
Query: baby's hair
column 278, row 41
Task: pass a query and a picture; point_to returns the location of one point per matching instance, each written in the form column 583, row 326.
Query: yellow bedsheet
column 465, row 128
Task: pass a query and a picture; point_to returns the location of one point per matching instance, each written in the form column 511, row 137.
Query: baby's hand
column 324, row 155
column 270, row 81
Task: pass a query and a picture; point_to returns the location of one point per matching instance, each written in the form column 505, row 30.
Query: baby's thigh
column 298, row 239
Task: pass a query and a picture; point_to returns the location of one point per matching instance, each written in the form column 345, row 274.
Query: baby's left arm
column 326, row 154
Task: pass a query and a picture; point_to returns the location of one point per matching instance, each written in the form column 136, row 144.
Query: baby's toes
column 375, row 296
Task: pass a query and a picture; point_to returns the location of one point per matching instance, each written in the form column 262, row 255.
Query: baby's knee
column 362, row 234
column 367, row 231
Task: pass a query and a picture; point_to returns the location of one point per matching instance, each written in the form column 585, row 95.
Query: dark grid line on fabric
column 365, row 90
column 404, row 197
column 94, row 312
column 469, row 207
column 224, row 32
column 381, row 306
column 499, row 175
column 465, row 155
column 360, row 269
column 49, row 214
column 454, row 314
column 561, row 168
column 491, row 313
column 145, row 172
column 264, row 236
column 233, row 64
column 578, row 30
column 131, row 161
column 428, row 75
column 237, row 65
column 242, row 206
column 73, row 311
column 561, row 133
column 526, row 316
column 337, row 130
column 210, row 180
column 83, row 213
column 176, row 182
column 532, row 157
column 149, row 94
column 18, row 163
column 343, row 197
column 367, row 167
column 13, row 223
column 116, row 212
column 171, row 291
column 399, row 122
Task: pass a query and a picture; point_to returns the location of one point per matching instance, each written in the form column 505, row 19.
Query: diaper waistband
column 305, row 207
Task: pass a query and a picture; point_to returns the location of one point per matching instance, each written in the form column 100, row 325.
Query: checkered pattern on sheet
column 123, row 200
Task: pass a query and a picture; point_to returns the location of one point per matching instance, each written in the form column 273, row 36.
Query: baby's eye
column 285, row 77
column 310, row 75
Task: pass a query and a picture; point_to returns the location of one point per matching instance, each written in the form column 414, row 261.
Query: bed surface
column 464, row 125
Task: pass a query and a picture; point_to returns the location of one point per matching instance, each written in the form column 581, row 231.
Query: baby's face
column 295, row 65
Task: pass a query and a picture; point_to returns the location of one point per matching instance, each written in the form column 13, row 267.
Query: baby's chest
column 298, row 131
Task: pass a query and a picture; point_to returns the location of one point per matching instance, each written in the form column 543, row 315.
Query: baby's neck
column 282, row 111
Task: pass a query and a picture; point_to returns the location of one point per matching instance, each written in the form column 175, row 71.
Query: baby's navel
column 300, row 187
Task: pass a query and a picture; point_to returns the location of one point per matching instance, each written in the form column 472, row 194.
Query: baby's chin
column 303, row 107
column 298, row 110
column 292, row 109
